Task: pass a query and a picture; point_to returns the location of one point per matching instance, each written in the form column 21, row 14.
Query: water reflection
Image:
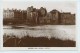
column 58, row 31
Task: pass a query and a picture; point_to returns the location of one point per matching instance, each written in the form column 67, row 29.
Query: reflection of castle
column 37, row 16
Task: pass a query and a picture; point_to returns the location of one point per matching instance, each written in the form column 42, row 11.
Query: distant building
column 35, row 16
column 67, row 18
column 42, row 12
column 32, row 15
column 8, row 16
column 13, row 15
column 55, row 16
column 24, row 17
column 8, row 13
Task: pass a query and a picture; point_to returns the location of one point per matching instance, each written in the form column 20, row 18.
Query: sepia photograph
column 39, row 24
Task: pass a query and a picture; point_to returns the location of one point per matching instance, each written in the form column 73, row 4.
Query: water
column 63, row 32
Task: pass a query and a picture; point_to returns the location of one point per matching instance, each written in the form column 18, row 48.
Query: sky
column 62, row 6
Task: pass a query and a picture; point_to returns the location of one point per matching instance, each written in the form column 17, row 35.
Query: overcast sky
column 65, row 6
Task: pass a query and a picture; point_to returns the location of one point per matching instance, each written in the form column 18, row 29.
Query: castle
column 35, row 16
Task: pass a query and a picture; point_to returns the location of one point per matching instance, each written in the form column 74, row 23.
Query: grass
column 27, row 41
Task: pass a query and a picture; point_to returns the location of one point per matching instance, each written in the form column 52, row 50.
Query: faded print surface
column 46, row 25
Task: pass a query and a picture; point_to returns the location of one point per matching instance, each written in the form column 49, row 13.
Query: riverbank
column 26, row 41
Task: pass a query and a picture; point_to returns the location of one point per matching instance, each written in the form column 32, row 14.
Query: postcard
column 39, row 25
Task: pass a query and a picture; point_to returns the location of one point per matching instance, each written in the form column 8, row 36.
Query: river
column 63, row 32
